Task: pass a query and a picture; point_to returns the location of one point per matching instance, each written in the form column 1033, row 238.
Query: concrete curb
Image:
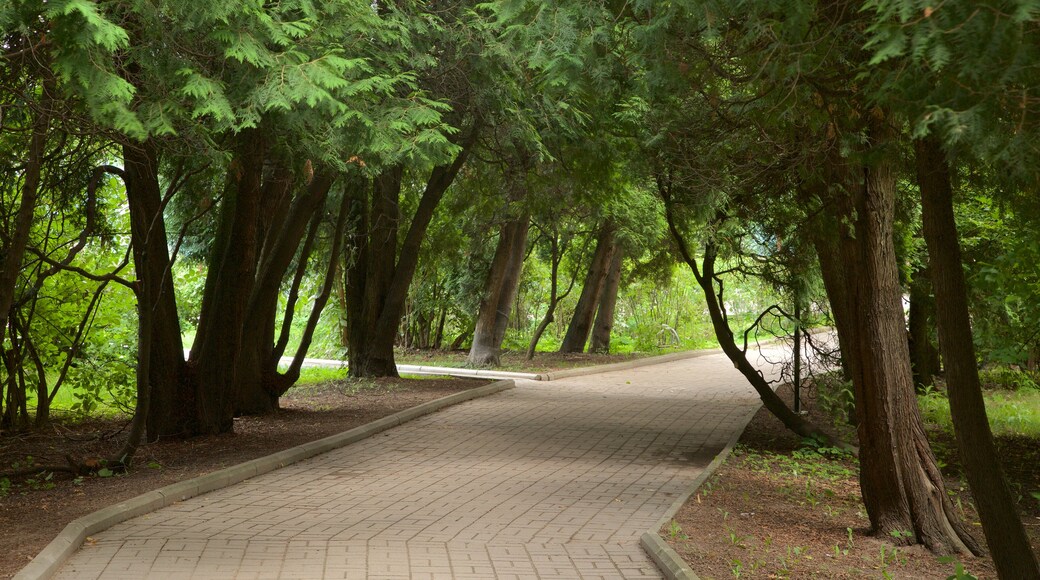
column 48, row 561
column 668, row 561
column 639, row 362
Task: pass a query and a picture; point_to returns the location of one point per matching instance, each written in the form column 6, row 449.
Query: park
column 515, row 289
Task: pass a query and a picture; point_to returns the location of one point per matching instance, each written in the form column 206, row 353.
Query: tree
column 500, row 291
column 1005, row 534
column 592, row 290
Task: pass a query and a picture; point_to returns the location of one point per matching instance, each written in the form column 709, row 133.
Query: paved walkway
column 549, row 480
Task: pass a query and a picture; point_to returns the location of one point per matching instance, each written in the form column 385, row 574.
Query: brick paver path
column 548, row 480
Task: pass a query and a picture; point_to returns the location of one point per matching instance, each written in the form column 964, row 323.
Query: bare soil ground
column 34, row 510
column 772, row 511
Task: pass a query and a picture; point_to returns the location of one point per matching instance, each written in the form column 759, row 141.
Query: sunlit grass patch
column 1011, row 413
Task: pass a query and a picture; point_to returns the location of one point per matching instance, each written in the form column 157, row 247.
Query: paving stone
column 550, row 480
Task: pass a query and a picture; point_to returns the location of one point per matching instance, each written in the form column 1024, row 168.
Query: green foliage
column 1015, row 413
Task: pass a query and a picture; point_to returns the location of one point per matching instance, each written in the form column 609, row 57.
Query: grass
column 1011, row 413
column 315, row 375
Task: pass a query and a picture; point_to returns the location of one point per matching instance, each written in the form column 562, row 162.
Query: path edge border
column 668, row 560
column 629, row 364
column 58, row 551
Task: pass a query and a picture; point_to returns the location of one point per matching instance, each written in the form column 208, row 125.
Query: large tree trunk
column 1005, row 534
column 607, row 302
column 377, row 285
column 924, row 357
column 214, row 358
column 500, row 290
column 584, row 312
column 257, row 389
column 172, row 409
column 373, row 276
column 902, row 487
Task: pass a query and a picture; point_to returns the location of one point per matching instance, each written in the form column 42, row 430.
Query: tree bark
column 214, row 358
column 1001, row 523
column 373, row 275
column 379, row 284
column 607, row 303
column 902, row 487
column 500, row 290
column 171, row 412
column 256, row 389
column 584, row 312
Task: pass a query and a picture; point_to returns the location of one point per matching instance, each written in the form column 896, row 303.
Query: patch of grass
column 801, row 463
column 314, row 375
column 1010, row 413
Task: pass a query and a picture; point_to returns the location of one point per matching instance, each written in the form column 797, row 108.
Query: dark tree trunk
column 377, row 285
column 438, row 338
column 214, row 359
column 1005, row 534
column 257, row 377
column 172, row 409
column 500, row 292
column 584, row 312
column 924, row 357
column 374, row 275
column 282, row 382
column 902, row 487
column 460, row 340
column 607, row 302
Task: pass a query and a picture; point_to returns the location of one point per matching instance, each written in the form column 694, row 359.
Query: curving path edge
column 530, row 493
column 47, row 563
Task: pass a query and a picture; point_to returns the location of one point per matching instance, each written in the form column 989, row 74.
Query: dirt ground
column 33, row 511
column 766, row 514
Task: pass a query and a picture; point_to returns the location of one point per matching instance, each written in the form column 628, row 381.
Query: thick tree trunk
column 902, row 487
column 924, row 357
column 511, row 286
column 374, row 275
column 214, row 359
column 500, row 290
column 380, row 284
column 607, row 302
column 172, row 409
column 584, row 312
column 256, row 389
column 1001, row 523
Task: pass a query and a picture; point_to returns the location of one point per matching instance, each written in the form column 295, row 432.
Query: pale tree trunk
column 585, row 311
column 500, row 290
column 1001, row 523
column 607, row 303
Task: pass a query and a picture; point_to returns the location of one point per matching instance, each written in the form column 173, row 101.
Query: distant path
column 549, row 480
